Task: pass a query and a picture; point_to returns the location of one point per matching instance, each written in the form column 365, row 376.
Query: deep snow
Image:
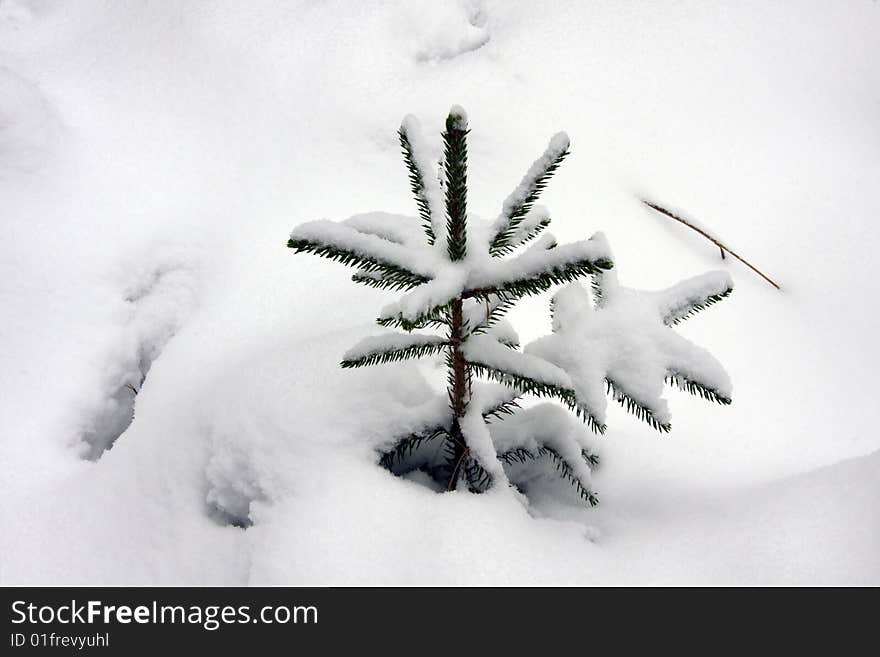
column 154, row 157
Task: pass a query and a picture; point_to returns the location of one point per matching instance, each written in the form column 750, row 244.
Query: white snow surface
column 153, row 157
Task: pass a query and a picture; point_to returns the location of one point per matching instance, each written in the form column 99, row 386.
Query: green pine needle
column 543, row 282
column 698, row 389
column 406, row 447
column 511, row 245
column 351, row 258
column 417, row 185
column 523, row 455
column 386, row 278
column 437, row 318
column 418, row 350
column 455, row 166
column 499, row 411
column 497, row 307
column 525, row 385
column 632, row 406
column 686, row 311
column 501, row 242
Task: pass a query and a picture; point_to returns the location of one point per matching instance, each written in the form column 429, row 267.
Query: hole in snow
column 233, row 485
column 221, row 516
column 116, row 416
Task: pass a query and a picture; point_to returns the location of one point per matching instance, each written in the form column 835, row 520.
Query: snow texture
column 186, row 138
column 504, row 332
column 458, row 118
column 487, row 350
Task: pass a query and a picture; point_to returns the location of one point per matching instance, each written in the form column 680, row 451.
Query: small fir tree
column 461, row 276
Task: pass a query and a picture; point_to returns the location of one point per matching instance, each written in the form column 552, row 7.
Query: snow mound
column 438, row 32
column 28, row 128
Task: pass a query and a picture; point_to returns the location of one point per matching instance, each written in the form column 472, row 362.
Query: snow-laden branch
column 627, row 345
column 517, row 205
column 392, row 347
column 423, row 179
column 536, row 269
column 427, row 299
column 547, row 432
column 480, row 314
column 339, row 241
column 529, row 227
column 486, row 351
column 527, row 374
column 684, row 299
column 396, row 228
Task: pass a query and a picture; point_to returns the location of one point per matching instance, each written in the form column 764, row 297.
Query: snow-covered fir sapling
column 461, row 276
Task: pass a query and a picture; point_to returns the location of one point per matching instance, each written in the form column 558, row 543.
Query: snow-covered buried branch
column 694, row 226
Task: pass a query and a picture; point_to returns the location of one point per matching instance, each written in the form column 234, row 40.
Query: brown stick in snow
column 724, row 248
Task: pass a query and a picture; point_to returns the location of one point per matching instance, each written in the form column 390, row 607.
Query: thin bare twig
column 724, row 248
column 453, row 479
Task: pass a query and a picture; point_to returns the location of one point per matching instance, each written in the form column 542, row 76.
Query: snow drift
column 154, row 157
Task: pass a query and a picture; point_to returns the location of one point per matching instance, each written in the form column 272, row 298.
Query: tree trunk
column 458, row 396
